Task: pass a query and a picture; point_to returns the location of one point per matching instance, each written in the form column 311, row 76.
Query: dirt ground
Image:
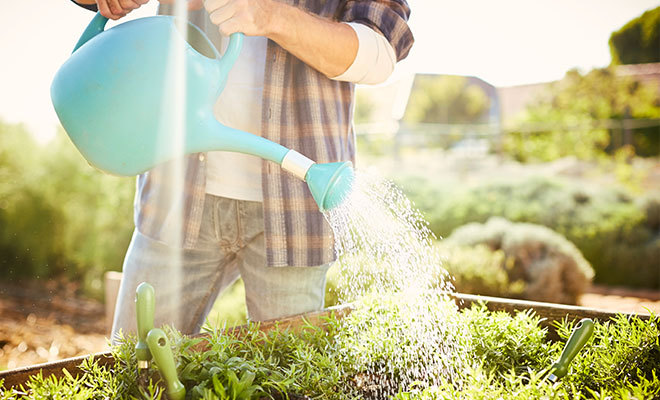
column 41, row 323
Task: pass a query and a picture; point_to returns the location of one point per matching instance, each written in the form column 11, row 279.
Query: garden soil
column 43, row 322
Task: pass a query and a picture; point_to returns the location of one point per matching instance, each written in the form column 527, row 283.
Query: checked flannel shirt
column 302, row 110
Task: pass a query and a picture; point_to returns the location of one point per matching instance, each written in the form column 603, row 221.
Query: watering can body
column 119, row 101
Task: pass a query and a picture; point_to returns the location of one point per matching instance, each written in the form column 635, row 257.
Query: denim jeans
column 230, row 244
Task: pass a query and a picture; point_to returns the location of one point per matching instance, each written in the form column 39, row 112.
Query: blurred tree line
column 59, row 218
column 589, row 116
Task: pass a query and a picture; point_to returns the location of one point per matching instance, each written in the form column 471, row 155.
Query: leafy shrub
column 618, row 235
column 550, row 266
column 59, row 216
column 479, row 270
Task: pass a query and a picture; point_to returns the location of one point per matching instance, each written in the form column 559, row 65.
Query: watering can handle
column 231, row 54
column 96, row 26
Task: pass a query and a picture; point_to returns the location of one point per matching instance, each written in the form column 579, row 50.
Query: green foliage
column 583, row 117
column 59, row 216
column 445, row 99
column 552, row 268
column 29, row 221
column 617, row 235
column 638, row 41
column 508, row 357
column 480, row 270
column 624, row 351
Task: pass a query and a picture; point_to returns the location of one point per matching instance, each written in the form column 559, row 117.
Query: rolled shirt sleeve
column 387, row 17
column 375, row 58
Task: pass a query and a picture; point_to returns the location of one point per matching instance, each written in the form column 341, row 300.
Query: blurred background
column 526, row 132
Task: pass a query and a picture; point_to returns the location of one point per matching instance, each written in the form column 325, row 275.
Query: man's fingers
column 128, row 5
column 229, row 27
column 212, row 5
column 106, row 10
column 221, row 15
column 115, row 7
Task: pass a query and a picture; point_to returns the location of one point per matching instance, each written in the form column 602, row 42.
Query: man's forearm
column 327, row 46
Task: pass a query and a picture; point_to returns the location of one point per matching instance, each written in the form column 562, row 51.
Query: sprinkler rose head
column 330, row 183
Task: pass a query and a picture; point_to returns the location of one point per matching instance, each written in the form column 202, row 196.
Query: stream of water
column 385, row 248
column 383, row 245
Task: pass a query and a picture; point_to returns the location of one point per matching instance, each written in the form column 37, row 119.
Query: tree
column 587, row 116
column 638, row 41
column 446, row 99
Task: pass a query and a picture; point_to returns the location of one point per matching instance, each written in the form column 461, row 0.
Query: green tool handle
column 581, row 334
column 145, row 305
column 162, row 353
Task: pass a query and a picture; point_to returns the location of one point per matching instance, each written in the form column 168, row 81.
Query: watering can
column 114, row 94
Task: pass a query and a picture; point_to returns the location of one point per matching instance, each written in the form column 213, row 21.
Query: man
column 293, row 83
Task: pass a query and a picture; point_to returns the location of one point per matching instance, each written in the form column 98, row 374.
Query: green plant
column 616, row 232
column 480, row 270
column 494, row 355
column 550, row 266
column 58, row 216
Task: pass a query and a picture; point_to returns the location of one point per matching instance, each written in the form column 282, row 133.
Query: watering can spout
column 329, row 183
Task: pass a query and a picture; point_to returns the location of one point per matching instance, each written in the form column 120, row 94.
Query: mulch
column 43, row 322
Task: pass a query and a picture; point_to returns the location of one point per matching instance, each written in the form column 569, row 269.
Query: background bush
column 480, row 270
column 551, row 268
column 58, row 216
column 617, row 233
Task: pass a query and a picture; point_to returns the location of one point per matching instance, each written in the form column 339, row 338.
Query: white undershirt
column 237, row 175
column 230, row 174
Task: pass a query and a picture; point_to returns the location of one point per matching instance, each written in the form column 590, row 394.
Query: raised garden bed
column 548, row 316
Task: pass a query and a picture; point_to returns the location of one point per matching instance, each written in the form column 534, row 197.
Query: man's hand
column 325, row 45
column 251, row 17
column 115, row 9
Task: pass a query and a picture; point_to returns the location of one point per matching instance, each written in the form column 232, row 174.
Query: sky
column 504, row 42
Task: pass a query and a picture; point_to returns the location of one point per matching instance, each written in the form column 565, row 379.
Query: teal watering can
column 112, row 93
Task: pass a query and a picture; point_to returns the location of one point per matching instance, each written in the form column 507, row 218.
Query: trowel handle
column 160, row 348
column 581, row 334
column 145, row 305
column 96, row 26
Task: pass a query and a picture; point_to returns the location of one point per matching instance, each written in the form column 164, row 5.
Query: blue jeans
column 230, row 244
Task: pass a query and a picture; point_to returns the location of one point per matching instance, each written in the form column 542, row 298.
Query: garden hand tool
column 162, row 353
column 144, row 309
column 113, row 93
column 581, row 334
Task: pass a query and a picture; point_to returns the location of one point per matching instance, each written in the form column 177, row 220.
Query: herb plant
column 376, row 352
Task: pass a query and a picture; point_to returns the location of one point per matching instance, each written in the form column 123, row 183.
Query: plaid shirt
column 302, row 110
